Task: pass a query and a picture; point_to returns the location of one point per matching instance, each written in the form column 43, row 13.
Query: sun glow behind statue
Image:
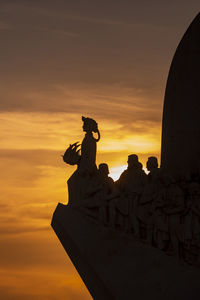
column 115, row 172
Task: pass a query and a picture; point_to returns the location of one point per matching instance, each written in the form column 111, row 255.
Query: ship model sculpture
column 139, row 237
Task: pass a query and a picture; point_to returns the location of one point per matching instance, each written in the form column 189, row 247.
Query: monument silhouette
column 139, row 237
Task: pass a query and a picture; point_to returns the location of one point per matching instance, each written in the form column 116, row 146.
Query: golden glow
column 33, row 181
column 115, row 172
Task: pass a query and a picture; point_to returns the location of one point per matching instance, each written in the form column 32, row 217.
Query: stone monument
column 180, row 152
column 139, row 237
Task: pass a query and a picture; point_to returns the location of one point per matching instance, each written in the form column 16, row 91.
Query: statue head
column 152, row 163
column 89, row 125
column 103, row 169
column 133, row 161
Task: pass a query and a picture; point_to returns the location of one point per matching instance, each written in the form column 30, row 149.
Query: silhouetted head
column 152, row 163
column 89, row 125
column 133, row 161
column 103, row 169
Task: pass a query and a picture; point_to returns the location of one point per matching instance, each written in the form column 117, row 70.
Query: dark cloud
column 107, row 102
column 47, row 44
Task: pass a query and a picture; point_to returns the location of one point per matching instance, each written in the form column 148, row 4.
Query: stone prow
column 76, row 253
column 114, row 265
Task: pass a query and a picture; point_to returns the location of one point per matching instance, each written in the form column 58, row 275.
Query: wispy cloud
column 63, row 33
column 114, row 102
column 55, row 131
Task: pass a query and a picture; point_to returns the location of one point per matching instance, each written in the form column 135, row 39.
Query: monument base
column 116, row 266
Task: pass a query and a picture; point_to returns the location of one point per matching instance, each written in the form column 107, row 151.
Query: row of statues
column 154, row 208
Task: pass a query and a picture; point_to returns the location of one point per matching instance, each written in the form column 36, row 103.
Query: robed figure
column 82, row 185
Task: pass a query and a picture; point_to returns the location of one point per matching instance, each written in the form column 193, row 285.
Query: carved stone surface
column 180, row 153
column 115, row 266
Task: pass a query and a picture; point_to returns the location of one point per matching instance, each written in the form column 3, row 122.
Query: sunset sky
column 59, row 60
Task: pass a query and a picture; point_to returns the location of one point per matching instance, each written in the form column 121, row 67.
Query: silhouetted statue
column 187, row 217
column 83, row 185
column 161, row 232
column 156, row 208
column 72, row 157
column 192, row 222
column 131, row 184
column 148, row 197
column 196, row 222
column 152, row 167
column 103, row 172
column 107, row 193
column 174, row 207
column 195, row 194
column 88, row 147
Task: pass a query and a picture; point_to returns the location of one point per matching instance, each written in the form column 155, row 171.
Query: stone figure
column 88, row 147
column 103, row 172
column 195, row 194
column 72, row 157
column 191, row 223
column 131, row 184
column 157, row 209
column 149, row 196
column 83, row 184
column 187, row 217
column 107, row 192
column 153, row 207
column 173, row 208
column 152, row 167
column 160, row 232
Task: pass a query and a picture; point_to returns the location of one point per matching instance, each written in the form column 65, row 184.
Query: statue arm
column 98, row 136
